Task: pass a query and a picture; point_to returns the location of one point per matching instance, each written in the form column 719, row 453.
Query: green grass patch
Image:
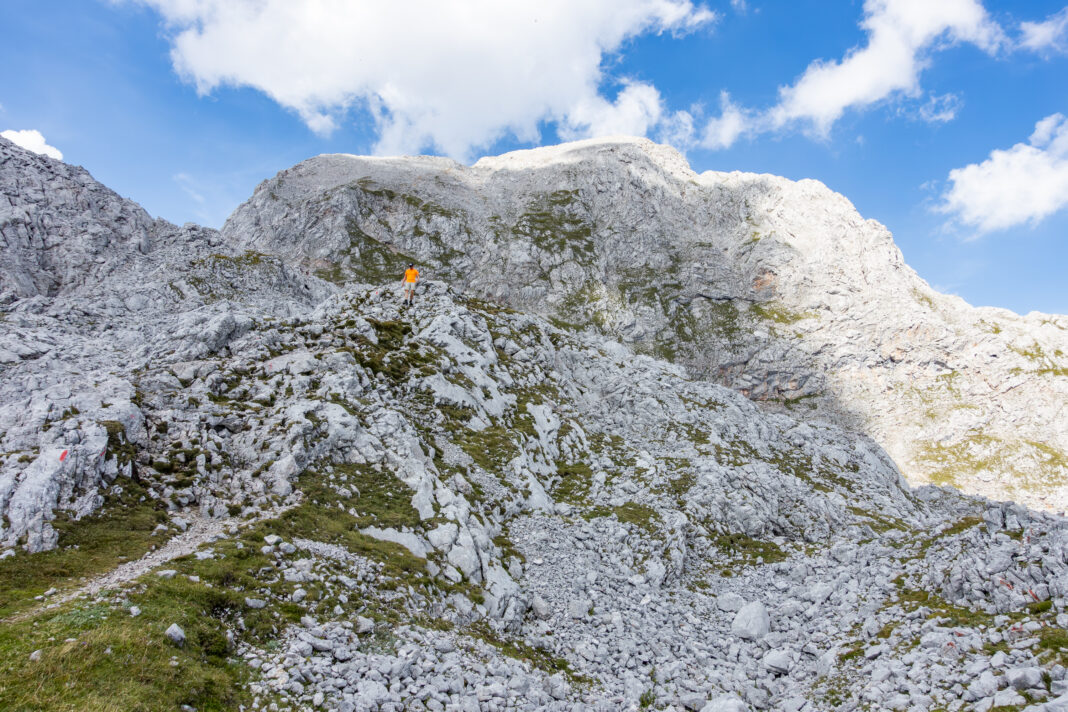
column 574, row 484
column 923, row 299
column 491, row 448
column 391, row 356
column 878, row 522
column 95, row 656
column 558, row 222
column 948, row 464
column 1053, row 642
column 954, row 616
column 381, row 502
column 678, row 487
column 639, row 515
column 851, row 653
column 117, row 663
column 1040, row 607
column 745, row 549
column 887, row 630
column 777, row 313
column 722, row 319
column 121, row 530
column 374, row 262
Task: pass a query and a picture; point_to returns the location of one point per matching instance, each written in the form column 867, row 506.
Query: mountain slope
column 306, row 496
column 777, row 289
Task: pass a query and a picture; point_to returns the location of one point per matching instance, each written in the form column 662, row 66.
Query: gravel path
column 201, row 531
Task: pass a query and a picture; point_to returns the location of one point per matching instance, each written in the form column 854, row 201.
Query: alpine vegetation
column 633, row 439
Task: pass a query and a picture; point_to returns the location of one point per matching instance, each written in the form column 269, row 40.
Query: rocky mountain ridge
column 777, row 289
column 456, row 505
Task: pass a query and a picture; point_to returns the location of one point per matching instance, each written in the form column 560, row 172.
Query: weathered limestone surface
column 778, row 289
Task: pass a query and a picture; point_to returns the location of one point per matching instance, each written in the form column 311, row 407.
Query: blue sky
column 941, row 120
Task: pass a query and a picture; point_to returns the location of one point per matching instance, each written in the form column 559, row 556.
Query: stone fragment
column 175, row 634
column 729, row 601
column 1024, row 678
column 779, row 661
column 540, row 607
column 751, row 622
column 725, row 703
column 579, row 607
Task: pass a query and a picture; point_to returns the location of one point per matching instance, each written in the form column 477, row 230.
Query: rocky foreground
column 229, row 484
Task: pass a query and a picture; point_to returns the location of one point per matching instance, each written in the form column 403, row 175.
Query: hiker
column 411, row 277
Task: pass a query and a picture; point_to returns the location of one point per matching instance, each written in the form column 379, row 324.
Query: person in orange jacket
column 411, row 278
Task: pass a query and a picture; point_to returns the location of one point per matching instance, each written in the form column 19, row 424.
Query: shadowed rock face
column 777, row 289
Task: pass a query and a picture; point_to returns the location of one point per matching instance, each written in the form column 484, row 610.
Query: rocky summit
column 646, row 440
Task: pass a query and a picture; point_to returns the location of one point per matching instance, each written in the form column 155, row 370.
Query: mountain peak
column 608, row 147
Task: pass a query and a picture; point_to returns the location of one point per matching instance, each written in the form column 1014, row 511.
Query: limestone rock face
column 59, row 228
column 93, row 289
column 777, row 289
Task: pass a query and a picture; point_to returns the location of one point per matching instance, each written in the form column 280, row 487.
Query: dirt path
column 202, row 530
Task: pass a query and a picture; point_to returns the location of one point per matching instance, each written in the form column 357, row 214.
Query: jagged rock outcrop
column 59, row 228
column 778, row 289
column 94, row 291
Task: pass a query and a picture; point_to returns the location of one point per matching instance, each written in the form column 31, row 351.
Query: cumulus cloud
column 1051, row 35
column 901, row 36
column 1025, row 183
column 32, row 140
column 635, row 111
column 732, row 123
column 447, row 76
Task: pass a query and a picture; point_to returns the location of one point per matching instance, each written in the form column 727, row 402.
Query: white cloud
column 732, row 123
column 635, row 111
column 1026, row 183
column 940, row 109
column 189, row 187
column 448, row 76
column 32, row 140
column 901, row 35
column 676, row 129
column 1051, row 35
